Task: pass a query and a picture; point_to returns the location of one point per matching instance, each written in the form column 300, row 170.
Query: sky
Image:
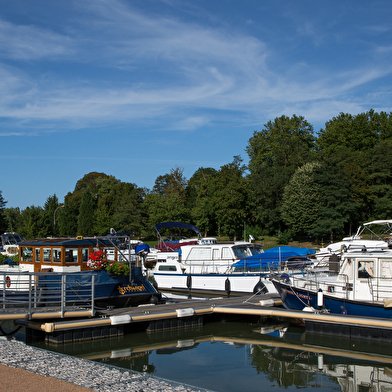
column 135, row 88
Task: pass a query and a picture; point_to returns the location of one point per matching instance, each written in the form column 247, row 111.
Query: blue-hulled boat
column 362, row 286
column 51, row 260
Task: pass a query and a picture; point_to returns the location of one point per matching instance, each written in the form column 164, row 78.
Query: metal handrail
column 30, row 293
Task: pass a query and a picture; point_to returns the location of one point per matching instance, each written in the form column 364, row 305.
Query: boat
column 46, row 261
column 199, row 255
column 9, row 243
column 376, row 234
column 208, row 267
column 361, row 285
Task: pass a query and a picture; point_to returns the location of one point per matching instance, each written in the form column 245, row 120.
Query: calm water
column 232, row 356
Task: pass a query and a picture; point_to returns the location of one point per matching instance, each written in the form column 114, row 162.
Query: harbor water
column 237, row 356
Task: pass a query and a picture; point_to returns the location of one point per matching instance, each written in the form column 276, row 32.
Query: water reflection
column 237, row 356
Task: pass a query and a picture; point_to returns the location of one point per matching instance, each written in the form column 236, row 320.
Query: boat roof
column 69, row 242
column 379, row 222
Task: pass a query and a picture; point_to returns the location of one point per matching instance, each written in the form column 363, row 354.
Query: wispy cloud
column 117, row 63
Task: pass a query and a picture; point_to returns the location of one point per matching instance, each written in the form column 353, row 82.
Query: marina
column 57, row 313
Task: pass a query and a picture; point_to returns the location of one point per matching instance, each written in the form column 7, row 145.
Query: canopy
column 179, row 225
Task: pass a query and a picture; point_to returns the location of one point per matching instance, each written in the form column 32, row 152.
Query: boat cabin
column 61, row 254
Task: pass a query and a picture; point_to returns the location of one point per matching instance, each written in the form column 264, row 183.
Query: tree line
column 297, row 184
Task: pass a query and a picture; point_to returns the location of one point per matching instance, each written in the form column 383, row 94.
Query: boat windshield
column 11, row 238
column 241, row 251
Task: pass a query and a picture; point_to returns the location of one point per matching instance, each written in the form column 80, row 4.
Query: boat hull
column 216, row 284
column 295, row 298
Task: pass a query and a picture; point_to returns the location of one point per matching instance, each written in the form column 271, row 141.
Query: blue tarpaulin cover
column 274, row 256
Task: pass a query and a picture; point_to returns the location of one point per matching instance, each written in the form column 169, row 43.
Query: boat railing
column 204, row 266
column 380, row 287
column 33, row 290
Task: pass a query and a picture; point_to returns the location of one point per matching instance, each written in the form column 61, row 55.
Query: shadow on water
column 236, row 356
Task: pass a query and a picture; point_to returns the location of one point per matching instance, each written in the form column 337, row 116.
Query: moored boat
column 361, row 286
column 49, row 260
column 370, row 235
column 245, row 276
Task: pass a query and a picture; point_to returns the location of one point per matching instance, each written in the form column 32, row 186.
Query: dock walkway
column 183, row 313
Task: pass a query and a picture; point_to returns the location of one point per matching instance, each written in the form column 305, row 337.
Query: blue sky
column 136, row 88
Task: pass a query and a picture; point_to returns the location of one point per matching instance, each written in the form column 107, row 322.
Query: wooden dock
column 186, row 313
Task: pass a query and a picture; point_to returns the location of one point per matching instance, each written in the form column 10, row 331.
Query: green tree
column 50, row 206
column 86, row 214
column 275, row 154
column 168, row 199
column 13, row 218
column 230, row 198
column 3, row 221
column 379, row 176
column 339, row 207
column 301, row 204
column 358, row 133
column 33, row 223
column 200, row 199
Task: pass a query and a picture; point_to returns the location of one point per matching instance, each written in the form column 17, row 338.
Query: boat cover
column 274, row 256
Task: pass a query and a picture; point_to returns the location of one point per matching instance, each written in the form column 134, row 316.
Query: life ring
column 8, row 281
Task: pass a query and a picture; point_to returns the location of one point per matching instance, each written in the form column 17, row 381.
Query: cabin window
column 386, row 269
column 85, row 254
column 71, row 255
column 27, row 254
column 199, row 254
column 167, row 268
column 47, row 255
column 56, row 255
column 37, row 255
column 110, row 254
column 226, row 254
column 215, row 254
column 365, row 269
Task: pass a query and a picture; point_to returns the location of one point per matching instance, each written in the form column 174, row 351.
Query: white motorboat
column 371, row 235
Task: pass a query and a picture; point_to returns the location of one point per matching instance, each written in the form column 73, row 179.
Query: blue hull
column 296, row 299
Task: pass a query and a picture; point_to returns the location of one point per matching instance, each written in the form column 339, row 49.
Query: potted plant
column 98, row 260
column 118, row 269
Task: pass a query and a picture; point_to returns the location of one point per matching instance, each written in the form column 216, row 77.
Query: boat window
column 215, row 254
column 110, row 253
column 85, row 255
column 241, row 251
column 26, row 253
column 71, row 255
column 167, row 268
column 226, row 254
column 47, row 255
column 37, row 255
column 386, row 269
column 199, row 253
column 56, row 255
column 365, row 269
column 256, row 249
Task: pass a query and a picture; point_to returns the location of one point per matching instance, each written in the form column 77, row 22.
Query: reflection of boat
column 379, row 233
column 9, row 244
column 362, row 286
column 47, row 266
column 289, row 360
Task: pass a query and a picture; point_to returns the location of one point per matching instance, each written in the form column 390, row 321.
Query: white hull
column 239, row 284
